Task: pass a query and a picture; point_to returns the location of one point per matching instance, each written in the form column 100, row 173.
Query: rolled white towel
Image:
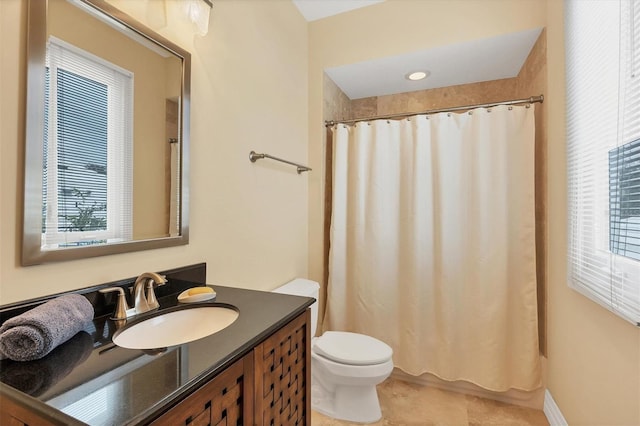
column 35, row 333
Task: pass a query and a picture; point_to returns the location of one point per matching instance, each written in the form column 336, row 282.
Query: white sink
column 175, row 327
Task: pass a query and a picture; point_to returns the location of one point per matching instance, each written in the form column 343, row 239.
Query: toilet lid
column 352, row 348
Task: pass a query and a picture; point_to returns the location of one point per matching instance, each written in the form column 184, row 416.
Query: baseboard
column 552, row 411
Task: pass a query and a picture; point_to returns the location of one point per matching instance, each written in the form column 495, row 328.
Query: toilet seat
column 352, row 348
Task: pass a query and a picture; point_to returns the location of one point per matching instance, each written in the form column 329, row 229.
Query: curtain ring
column 488, row 109
column 528, row 106
column 470, row 112
column 448, row 114
column 510, row 108
column 388, row 122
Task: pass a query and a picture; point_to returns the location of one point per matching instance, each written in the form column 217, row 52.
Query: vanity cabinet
column 255, row 372
column 13, row 414
column 268, row 386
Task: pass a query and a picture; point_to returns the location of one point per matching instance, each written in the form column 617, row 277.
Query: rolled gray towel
column 37, row 377
column 35, row 333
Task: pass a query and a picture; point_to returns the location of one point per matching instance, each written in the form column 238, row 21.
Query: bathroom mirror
column 107, row 134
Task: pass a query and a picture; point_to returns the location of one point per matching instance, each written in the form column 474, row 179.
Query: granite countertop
column 97, row 383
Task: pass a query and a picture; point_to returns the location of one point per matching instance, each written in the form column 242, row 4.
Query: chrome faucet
column 144, row 303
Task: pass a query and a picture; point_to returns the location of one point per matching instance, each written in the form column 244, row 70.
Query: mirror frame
column 32, row 253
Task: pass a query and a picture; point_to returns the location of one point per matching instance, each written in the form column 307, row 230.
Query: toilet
column 345, row 367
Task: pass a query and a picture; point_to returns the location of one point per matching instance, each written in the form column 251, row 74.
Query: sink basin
column 175, row 327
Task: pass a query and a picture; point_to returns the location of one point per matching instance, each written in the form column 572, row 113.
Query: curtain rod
column 530, row 100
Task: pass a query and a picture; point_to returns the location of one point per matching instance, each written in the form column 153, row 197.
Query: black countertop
column 95, row 382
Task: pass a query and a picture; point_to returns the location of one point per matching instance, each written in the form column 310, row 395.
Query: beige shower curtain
column 433, row 243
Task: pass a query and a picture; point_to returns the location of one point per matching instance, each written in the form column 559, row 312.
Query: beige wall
column 249, row 91
column 593, row 355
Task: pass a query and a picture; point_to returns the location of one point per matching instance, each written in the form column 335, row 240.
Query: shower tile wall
column 464, row 94
column 337, row 106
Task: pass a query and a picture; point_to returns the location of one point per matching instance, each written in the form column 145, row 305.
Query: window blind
column 602, row 44
column 82, row 153
column 87, row 186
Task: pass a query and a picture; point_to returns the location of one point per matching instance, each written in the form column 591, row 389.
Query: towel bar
column 254, row 156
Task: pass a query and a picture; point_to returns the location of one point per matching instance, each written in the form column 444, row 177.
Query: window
column 88, row 149
column 624, row 200
column 602, row 42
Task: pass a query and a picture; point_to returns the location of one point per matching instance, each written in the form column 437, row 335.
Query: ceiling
column 474, row 61
column 313, row 10
column 469, row 62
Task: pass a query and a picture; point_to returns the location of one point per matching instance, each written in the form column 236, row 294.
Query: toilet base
column 357, row 404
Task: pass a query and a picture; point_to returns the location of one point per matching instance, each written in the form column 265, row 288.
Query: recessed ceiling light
column 417, row 75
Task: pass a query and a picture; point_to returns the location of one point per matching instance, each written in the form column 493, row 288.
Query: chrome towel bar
column 254, row 156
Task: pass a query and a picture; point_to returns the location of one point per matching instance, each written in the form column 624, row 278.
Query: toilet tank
column 306, row 288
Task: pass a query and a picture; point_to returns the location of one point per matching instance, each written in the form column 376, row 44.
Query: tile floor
column 407, row 404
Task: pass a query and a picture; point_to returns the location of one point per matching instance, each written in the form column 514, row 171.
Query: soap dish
column 200, row 297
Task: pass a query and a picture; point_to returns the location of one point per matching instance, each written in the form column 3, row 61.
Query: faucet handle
column 151, row 295
column 159, row 280
column 121, row 304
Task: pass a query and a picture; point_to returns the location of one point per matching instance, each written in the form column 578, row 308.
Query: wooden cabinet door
column 282, row 366
column 12, row 414
column 225, row 400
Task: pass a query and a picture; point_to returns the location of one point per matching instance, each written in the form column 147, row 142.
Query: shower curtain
column 433, row 243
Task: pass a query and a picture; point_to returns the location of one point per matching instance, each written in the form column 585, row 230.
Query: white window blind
column 87, row 183
column 602, row 43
